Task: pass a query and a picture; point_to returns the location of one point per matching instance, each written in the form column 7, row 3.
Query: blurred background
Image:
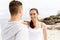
column 49, row 13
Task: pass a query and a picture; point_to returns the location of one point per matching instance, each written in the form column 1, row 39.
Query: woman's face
column 33, row 15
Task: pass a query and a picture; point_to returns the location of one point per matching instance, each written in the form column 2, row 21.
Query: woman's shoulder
column 43, row 24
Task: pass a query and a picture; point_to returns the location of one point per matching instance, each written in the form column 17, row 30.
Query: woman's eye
column 30, row 14
column 34, row 14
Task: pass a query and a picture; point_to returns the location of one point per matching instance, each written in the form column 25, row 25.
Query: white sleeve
column 22, row 34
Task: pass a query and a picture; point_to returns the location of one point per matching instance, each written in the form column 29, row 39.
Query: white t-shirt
column 14, row 31
column 36, row 34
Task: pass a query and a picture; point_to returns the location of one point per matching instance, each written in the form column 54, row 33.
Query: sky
column 45, row 8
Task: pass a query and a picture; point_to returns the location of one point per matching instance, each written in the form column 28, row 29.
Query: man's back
column 14, row 31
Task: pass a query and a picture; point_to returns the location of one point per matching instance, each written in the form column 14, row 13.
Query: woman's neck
column 36, row 24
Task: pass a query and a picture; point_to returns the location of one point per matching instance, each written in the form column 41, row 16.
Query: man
column 14, row 29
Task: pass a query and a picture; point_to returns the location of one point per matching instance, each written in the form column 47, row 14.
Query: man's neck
column 15, row 18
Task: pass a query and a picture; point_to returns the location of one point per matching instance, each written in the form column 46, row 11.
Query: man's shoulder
column 23, row 26
column 13, row 25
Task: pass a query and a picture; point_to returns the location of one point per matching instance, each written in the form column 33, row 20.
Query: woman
column 37, row 29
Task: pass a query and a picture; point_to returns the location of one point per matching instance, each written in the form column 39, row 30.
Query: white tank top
column 36, row 34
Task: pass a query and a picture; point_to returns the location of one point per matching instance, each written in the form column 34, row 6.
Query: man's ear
column 20, row 9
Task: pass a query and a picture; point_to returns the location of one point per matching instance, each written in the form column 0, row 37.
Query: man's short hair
column 13, row 7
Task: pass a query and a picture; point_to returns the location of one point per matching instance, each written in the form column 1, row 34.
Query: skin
column 44, row 31
column 33, row 15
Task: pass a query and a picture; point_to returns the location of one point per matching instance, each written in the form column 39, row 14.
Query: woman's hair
column 31, row 23
column 35, row 10
column 14, row 6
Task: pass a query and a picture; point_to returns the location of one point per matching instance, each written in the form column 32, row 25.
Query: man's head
column 15, row 7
